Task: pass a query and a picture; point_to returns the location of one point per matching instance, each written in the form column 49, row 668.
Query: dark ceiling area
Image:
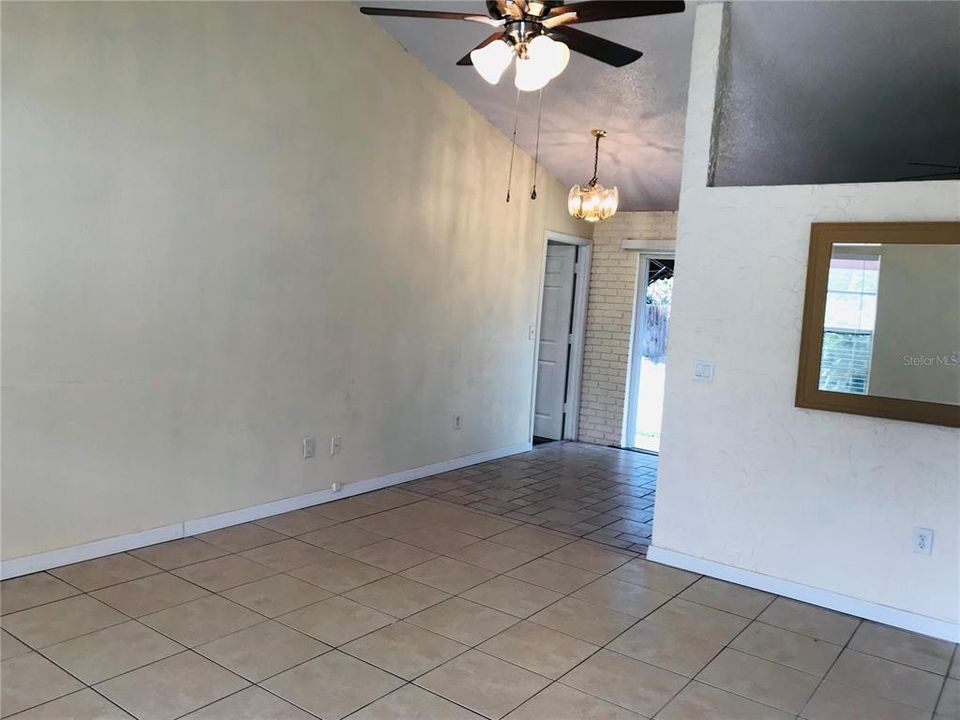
column 839, row 92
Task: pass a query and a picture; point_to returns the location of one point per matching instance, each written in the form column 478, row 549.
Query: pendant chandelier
column 593, row 202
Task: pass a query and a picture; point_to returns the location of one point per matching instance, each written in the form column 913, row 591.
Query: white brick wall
column 606, row 353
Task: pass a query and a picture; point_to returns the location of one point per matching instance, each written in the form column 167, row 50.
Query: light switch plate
column 703, row 370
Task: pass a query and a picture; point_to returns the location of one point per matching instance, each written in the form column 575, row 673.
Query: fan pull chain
column 513, row 146
column 536, row 152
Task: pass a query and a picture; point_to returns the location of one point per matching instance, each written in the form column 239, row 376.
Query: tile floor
column 395, row 606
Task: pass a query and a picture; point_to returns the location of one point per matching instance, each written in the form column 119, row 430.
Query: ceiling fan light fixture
column 491, row 60
column 531, row 75
column 552, row 56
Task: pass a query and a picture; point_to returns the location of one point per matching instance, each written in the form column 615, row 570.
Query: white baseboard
column 885, row 614
column 16, row 567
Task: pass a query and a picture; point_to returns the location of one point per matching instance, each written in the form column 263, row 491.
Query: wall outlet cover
column 309, row 447
column 923, row 541
column 336, row 444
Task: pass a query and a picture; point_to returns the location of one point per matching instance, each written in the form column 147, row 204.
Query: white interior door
column 553, row 359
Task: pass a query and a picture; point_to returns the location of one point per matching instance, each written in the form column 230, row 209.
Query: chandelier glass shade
column 538, row 61
column 593, row 202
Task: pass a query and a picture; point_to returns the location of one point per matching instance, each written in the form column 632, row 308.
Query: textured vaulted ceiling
column 642, row 105
column 818, row 92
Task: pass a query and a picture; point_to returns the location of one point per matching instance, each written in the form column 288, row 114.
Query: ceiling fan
column 538, row 34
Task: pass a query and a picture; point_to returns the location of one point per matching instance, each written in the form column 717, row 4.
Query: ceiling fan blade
column 598, row 48
column 562, row 19
column 928, row 177
column 465, row 60
column 596, row 10
column 430, row 15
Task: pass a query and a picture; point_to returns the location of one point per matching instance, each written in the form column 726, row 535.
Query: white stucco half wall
column 751, row 486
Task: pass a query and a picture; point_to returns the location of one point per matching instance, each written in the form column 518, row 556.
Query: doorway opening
column 648, row 355
column 559, row 363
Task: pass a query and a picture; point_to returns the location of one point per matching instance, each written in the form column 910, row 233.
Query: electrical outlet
column 309, row 447
column 923, row 541
column 532, row 332
column 457, row 422
column 336, row 443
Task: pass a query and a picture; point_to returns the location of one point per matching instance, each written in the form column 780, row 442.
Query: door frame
column 581, row 289
column 636, row 327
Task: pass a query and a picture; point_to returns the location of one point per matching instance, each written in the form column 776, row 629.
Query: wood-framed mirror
column 881, row 321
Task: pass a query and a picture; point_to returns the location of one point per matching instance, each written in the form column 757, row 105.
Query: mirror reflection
column 891, row 325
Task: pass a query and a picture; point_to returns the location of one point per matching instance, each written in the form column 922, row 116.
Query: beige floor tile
column 532, row 540
column 388, row 524
column 224, row 572
column 296, row 522
column 787, row 648
column 149, row 594
column 585, row 621
column 82, row 705
column 949, row 705
column 484, row 684
column 251, row 704
column 621, row 596
column 171, row 687
column 333, row 685
column 539, row 649
column 30, row 680
column 481, row 526
column 655, row 576
column 29, row 591
column 553, row 575
column 336, row 621
column 625, row 682
column 670, row 649
column 338, row 574
column 726, row 596
column 55, row 622
column 559, row 702
column 492, row 556
column 591, row 556
column 761, row 680
column 10, row 647
column 344, row 510
column 276, row 595
column 389, row 498
column 238, row 538
column 805, row 619
column 405, row 650
column 436, row 538
column 392, row 555
column 463, row 621
column 512, row 596
column 447, row 574
column 413, row 703
column 285, row 555
column 833, row 701
column 200, row 621
column 889, row 680
column 177, row 553
column 109, row 652
column 341, row 538
column 904, row 647
column 698, row 620
column 263, row 650
column 703, row 702
column 110, row 570
column 397, row 596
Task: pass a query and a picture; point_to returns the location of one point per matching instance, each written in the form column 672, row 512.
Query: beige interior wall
column 227, row 226
column 613, row 286
column 916, row 344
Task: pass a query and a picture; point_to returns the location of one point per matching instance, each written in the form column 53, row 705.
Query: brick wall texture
column 606, row 354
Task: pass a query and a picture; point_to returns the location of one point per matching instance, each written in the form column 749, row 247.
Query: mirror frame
column 809, row 395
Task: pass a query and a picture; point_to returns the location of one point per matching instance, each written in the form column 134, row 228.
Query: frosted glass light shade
column 553, row 56
column 593, row 203
column 490, row 61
